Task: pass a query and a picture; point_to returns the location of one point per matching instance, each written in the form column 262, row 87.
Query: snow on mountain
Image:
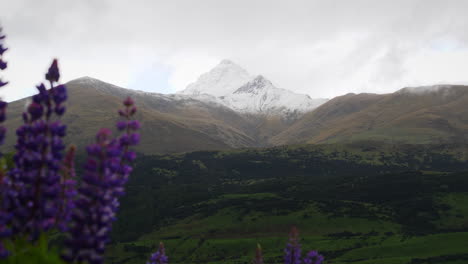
column 260, row 96
column 425, row 89
column 222, row 80
column 234, row 87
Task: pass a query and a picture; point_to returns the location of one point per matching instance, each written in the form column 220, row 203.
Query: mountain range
column 228, row 108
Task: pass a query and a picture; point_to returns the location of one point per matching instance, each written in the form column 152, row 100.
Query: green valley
column 362, row 203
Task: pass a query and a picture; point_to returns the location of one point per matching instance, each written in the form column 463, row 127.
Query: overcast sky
column 322, row 48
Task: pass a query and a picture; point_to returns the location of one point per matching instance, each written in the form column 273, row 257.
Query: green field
column 379, row 204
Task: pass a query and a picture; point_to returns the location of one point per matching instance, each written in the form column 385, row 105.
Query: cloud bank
column 321, row 48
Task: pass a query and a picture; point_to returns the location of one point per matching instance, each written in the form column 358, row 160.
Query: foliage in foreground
column 40, row 196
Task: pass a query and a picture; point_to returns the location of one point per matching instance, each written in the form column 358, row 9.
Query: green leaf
column 39, row 252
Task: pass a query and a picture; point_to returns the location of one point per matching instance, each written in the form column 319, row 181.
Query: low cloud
column 322, row 48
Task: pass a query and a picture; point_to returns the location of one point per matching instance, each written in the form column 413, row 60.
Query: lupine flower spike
column 5, row 216
column 313, row 257
column 3, row 64
column 159, row 257
column 3, row 105
column 258, row 255
column 106, row 173
column 292, row 252
column 39, row 153
column 67, row 190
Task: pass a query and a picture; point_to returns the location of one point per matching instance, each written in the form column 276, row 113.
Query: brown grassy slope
column 405, row 116
column 167, row 127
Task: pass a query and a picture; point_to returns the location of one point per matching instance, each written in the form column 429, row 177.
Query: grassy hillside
column 409, row 116
column 372, row 203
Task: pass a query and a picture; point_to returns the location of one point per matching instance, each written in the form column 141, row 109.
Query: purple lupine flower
column 159, row 257
column 39, row 152
column 3, row 64
column 258, row 255
column 53, row 74
column 3, row 105
column 5, row 216
column 313, row 257
column 67, row 188
column 2, row 37
column 96, row 202
column 106, row 173
column 130, row 136
column 292, row 252
column 4, row 253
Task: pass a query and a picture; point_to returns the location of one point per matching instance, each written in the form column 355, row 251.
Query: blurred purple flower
column 4, row 253
column 106, row 173
column 313, row 257
column 67, row 189
column 2, row 38
column 128, row 102
column 53, row 74
column 292, row 252
column 96, row 202
column 159, row 257
column 2, row 49
column 3, row 64
column 5, row 216
column 3, row 105
column 2, row 135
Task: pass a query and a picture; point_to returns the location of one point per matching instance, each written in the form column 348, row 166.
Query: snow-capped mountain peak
column 234, row 87
column 255, row 85
column 222, row 80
